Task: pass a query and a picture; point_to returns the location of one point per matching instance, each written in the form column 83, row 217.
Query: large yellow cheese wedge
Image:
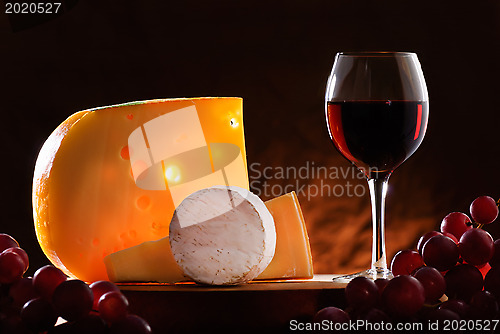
column 153, row 260
column 109, row 178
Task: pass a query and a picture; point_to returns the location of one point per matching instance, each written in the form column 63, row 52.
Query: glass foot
column 370, row 273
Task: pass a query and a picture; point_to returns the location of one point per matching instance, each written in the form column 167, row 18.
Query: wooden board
column 254, row 307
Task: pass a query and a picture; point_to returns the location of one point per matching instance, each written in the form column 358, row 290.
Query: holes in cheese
column 222, row 236
column 153, row 260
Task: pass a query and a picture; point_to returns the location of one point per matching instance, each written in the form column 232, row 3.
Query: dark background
column 277, row 56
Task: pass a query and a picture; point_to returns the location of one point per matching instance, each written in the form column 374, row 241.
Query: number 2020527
column 32, row 7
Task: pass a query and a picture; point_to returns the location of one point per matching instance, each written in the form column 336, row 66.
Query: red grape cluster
column 454, row 274
column 33, row 305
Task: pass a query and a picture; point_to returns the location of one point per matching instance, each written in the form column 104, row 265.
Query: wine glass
column 376, row 111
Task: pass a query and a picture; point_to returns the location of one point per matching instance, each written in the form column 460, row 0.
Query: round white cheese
column 222, row 235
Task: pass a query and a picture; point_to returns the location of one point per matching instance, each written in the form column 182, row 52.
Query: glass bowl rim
column 376, row 54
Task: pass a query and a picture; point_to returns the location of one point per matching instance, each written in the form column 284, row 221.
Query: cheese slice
column 153, row 260
column 110, row 178
column 222, row 236
column 293, row 257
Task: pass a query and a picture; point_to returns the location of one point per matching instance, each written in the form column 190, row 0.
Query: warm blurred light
column 173, row 173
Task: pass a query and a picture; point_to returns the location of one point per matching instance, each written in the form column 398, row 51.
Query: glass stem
column 378, row 190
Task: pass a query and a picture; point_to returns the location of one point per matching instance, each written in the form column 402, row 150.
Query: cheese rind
column 222, row 236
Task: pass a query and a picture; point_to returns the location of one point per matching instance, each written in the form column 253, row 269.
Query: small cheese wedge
column 293, row 257
column 222, row 236
column 153, row 260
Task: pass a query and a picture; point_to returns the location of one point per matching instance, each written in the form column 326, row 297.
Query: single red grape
column 492, row 281
column 476, row 247
column 22, row 253
column 6, row 241
column 405, row 262
column 463, row 281
column 495, row 259
column 11, row 267
column 131, row 324
column 47, row 279
column 423, row 239
column 113, row 306
column 483, row 305
column 484, row 210
column 21, row 291
column 39, row 315
column 403, row 296
column 433, row 283
column 456, row 224
column 456, row 305
column 73, row 299
column 99, row 288
column 440, row 252
column 361, row 293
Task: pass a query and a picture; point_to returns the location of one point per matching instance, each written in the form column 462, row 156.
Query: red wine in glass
column 377, row 136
